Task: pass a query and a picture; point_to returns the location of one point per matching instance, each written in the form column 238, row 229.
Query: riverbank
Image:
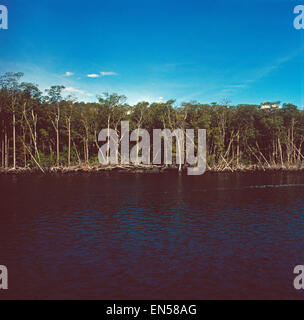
column 154, row 169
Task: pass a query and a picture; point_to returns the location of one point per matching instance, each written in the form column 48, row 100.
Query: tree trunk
column 57, row 134
column 2, row 145
column 2, row 153
column 35, row 135
column 88, row 155
column 14, row 140
column 87, row 143
column 5, row 149
column 281, row 153
column 51, row 152
column 108, row 143
column 238, row 150
column 77, row 153
column 57, row 151
column 24, row 150
column 69, row 146
column 84, row 151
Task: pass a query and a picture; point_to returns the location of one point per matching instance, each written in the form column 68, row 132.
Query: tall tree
column 10, row 83
column 31, row 100
column 54, row 99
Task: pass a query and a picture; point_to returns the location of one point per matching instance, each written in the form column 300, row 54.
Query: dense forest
column 46, row 129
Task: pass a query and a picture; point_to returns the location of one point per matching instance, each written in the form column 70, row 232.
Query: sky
column 155, row 50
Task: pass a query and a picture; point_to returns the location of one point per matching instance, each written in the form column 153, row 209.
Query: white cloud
column 69, row 74
column 77, row 91
column 74, row 90
column 104, row 74
column 93, row 75
column 134, row 98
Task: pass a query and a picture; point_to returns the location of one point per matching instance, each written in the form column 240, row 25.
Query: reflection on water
column 165, row 236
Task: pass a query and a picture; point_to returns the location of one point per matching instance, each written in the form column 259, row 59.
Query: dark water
column 121, row 236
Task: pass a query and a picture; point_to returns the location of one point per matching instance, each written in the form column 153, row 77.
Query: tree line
column 47, row 129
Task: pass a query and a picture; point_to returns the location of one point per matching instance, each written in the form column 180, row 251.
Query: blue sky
column 240, row 50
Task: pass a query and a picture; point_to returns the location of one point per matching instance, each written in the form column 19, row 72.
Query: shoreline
column 151, row 169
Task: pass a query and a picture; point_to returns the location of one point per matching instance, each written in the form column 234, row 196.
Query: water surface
column 146, row 236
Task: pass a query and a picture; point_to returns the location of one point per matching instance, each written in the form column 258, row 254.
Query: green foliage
column 242, row 134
